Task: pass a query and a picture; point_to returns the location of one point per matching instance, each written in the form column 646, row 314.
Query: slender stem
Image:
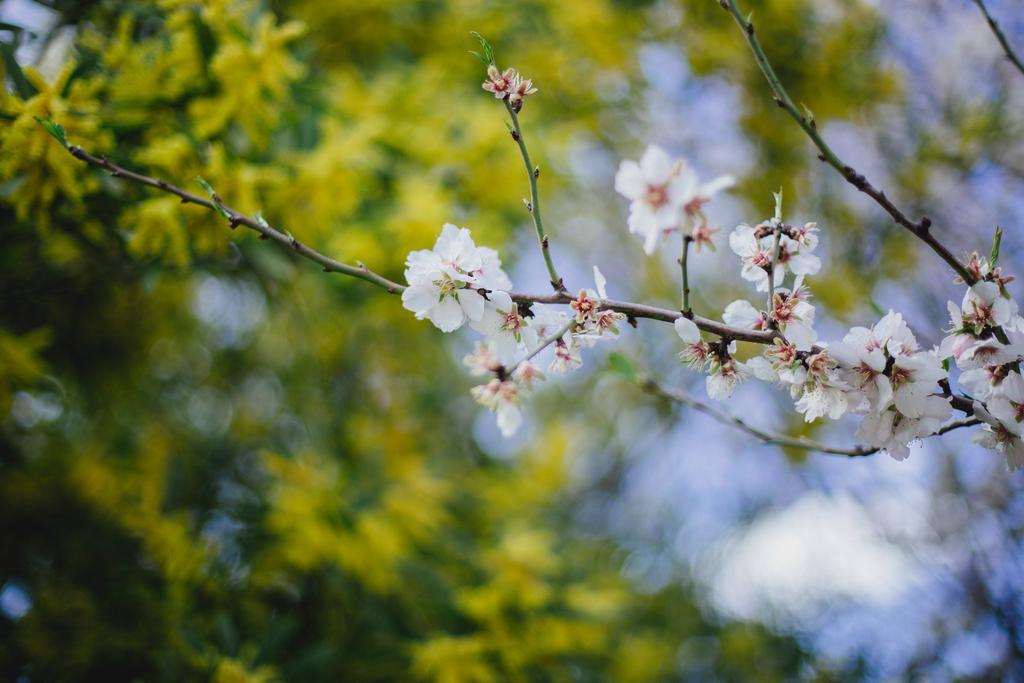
column 1000, row 36
column 538, row 222
column 919, row 228
column 739, row 423
column 686, row 277
column 547, row 342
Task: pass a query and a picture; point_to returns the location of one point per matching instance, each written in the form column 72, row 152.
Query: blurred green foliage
column 217, row 463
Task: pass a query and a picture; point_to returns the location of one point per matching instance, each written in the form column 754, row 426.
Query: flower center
column 657, row 195
column 512, row 322
column 447, row 285
column 900, row 376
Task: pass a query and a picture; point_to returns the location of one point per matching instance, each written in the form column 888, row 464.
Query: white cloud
column 791, row 563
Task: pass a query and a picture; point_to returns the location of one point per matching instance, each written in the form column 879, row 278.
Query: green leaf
column 778, row 204
column 996, row 241
column 488, row 52
column 54, row 129
column 945, row 364
column 213, row 194
column 622, row 365
column 205, row 185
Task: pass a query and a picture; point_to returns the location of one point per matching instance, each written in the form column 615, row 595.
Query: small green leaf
column 261, row 220
column 213, row 194
column 479, row 56
column 808, row 113
column 622, row 365
column 778, row 205
column 945, row 364
column 488, row 52
column 54, row 129
column 996, row 240
column 206, row 186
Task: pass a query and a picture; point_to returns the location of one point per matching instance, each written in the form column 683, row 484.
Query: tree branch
column 677, row 396
column 361, row 272
column 1000, row 36
column 235, row 218
column 921, row 228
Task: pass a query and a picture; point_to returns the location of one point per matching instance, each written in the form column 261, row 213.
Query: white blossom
column 527, row 373
column 999, row 435
column 756, row 248
column 984, row 382
column 567, row 356
column 500, row 83
column 742, row 314
column 696, row 194
column 724, row 375
column 663, row 193
column 893, row 431
column 443, row 281
column 756, row 258
column 482, row 360
column 502, row 324
column 501, row 396
column 1008, row 405
column 795, row 316
column 655, row 190
column 595, row 323
column 521, row 87
column 913, row 380
column 697, row 353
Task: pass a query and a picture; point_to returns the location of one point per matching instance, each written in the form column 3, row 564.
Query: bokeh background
column 218, row 463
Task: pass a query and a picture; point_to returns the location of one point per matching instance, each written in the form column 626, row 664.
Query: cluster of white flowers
column 892, row 383
column 986, row 341
column 778, row 248
column 666, row 196
column 880, row 373
column 458, row 282
column 877, row 372
column 772, row 246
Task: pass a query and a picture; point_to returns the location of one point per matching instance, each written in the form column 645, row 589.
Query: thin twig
column 663, row 314
column 686, row 275
column 547, row 342
column 650, row 386
column 1000, row 36
column 236, row 218
column 920, row 228
column 534, row 206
